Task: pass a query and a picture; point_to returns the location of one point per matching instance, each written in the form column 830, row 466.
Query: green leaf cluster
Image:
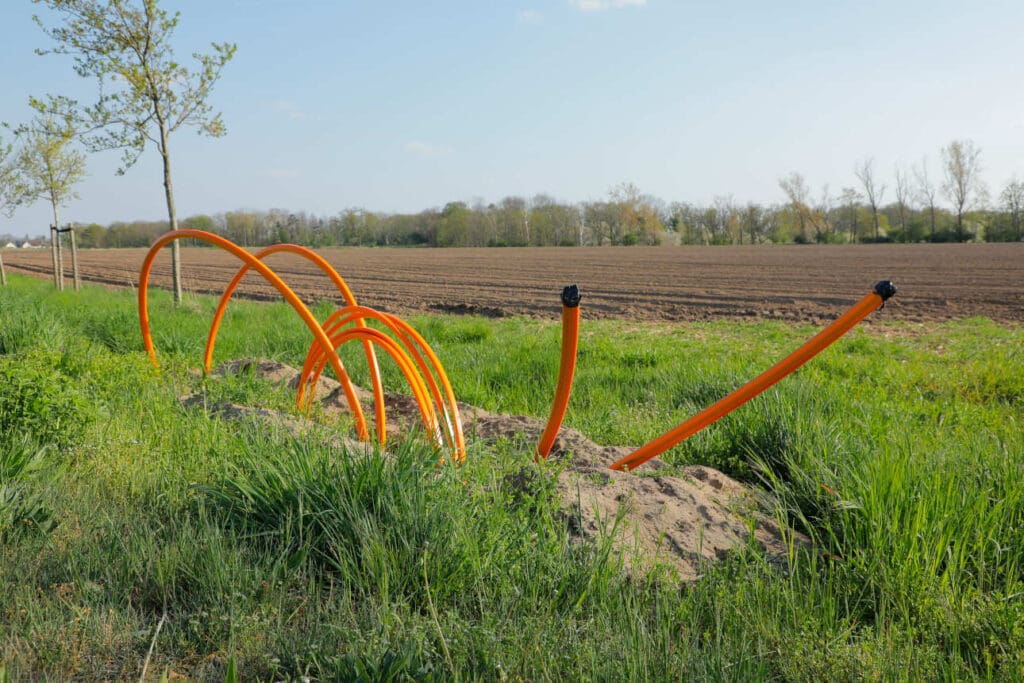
column 145, row 94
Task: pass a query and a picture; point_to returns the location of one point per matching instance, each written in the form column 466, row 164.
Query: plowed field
column 797, row 283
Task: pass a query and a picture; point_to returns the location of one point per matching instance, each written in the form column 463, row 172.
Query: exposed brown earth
column 809, row 284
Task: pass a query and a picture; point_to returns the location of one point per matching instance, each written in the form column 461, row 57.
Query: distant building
column 9, row 245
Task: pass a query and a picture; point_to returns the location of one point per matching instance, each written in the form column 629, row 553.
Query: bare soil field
column 810, row 284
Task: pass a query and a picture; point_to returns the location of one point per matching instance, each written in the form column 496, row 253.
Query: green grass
column 129, row 522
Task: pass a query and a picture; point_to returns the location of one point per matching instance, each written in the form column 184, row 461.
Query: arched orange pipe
column 417, row 347
column 339, row 319
column 871, row 302
column 273, row 279
column 346, row 293
column 402, row 331
column 405, row 365
column 566, row 368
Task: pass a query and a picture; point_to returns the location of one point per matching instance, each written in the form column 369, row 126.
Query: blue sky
column 399, row 106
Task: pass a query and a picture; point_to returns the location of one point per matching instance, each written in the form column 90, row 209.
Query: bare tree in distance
column 1013, row 203
column 754, row 221
column 903, row 196
column 727, row 226
column 145, row 94
column 873, row 191
column 926, row 193
column 823, row 215
column 963, row 186
column 798, row 194
column 850, row 198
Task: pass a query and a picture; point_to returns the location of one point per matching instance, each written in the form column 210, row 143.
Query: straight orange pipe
column 346, row 293
column 566, row 368
column 275, row 281
column 883, row 290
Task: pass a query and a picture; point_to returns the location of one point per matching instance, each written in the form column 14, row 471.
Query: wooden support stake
column 74, row 258
column 3, row 273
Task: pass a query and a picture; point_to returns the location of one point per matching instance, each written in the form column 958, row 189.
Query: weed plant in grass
column 268, row 556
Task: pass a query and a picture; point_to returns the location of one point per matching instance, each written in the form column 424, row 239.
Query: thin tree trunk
column 3, row 273
column 53, row 255
column 74, row 260
column 60, row 261
column 60, row 253
column 171, row 213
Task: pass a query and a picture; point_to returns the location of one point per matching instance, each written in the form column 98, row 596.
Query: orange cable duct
column 404, row 363
column 322, row 339
column 346, row 293
column 883, row 291
column 414, row 343
column 423, row 370
column 566, row 368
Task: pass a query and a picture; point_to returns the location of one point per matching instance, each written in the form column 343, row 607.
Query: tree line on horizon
column 626, row 217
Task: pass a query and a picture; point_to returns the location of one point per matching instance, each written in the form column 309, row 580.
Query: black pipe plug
column 571, row 296
column 885, row 289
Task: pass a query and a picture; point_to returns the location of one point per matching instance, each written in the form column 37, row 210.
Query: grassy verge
column 135, row 532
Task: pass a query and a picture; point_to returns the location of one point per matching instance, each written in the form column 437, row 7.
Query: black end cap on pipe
column 885, row 289
column 571, row 296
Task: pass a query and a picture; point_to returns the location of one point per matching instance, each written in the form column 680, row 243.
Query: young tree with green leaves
column 11, row 190
column 145, row 94
column 11, row 185
column 50, row 167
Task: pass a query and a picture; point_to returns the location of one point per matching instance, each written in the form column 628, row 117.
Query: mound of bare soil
column 683, row 521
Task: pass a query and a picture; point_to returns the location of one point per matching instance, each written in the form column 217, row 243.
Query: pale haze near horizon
column 402, row 106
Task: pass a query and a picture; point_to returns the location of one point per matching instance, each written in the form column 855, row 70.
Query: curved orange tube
column 870, row 303
column 405, row 365
column 346, row 293
column 339, row 319
column 313, row 366
column 273, row 279
column 566, row 368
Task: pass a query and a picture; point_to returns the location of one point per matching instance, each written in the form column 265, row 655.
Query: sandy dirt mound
column 683, row 520
column 296, row 426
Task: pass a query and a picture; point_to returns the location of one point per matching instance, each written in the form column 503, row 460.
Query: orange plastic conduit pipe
column 566, row 368
column 404, row 363
column 314, row 363
column 346, row 293
column 882, row 292
column 417, row 347
column 273, row 279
